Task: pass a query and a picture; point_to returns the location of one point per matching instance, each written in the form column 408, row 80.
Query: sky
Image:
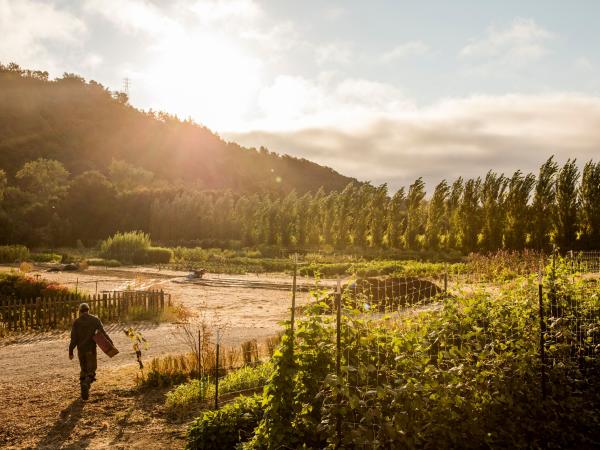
column 384, row 91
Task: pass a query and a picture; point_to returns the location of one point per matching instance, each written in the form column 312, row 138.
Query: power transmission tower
column 126, row 85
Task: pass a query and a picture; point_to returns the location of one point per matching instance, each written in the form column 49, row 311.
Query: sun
column 206, row 76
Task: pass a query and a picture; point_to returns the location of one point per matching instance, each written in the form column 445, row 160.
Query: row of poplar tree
column 43, row 205
column 560, row 206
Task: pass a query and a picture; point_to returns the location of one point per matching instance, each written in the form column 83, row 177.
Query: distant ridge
column 85, row 126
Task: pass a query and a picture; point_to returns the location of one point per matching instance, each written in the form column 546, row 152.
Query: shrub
column 13, row 253
column 123, row 246
column 45, row 257
column 226, row 427
column 24, row 287
column 244, row 379
column 103, row 262
column 152, row 255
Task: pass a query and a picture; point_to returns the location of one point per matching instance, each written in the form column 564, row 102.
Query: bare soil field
column 39, row 385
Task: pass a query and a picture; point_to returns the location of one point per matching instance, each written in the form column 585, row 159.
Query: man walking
column 82, row 333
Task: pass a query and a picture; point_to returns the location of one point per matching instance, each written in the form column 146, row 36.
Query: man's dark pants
column 88, row 365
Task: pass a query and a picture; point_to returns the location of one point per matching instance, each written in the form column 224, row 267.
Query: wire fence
column 546, row 310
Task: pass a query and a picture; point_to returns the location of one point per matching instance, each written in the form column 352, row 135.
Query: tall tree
column 453, row 208
column 415, row 211
column 397, row 218
column 567, row 204
column 3, row 184
column 590, row 204
column 377, row 213
column 437, row 216
column 544, row 204
column 90, row 207
column 517, row 210
column 492, row 203
column 125, row 176
column 361, row 219
column 469, row 215
column 45, row 179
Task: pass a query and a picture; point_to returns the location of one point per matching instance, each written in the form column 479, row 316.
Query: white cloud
column 297, row 102
column 411, row 48
column 220, row 10
column 29, row 27
column 457, row 137
column 522, row 40
column 132, row 15
column 334, row 54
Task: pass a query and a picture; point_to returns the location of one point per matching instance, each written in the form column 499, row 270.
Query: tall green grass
column 245, row 379
column 13, row 253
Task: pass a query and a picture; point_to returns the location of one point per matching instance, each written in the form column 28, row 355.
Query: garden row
column 500, row 368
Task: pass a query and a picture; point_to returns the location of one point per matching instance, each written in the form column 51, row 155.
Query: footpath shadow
column 63, row 427
column 34, row 337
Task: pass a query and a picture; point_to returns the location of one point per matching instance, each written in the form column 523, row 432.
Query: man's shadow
column 63, row 427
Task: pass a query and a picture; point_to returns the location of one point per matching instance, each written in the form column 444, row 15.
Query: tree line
column 45, row 205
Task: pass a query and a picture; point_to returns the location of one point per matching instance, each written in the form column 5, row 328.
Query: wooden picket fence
column 59, row 312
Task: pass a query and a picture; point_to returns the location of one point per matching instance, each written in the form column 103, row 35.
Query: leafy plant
column 13, row 253
column 123, row 246
column 227, row 427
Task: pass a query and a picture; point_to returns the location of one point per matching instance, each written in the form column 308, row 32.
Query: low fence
column 58, row 312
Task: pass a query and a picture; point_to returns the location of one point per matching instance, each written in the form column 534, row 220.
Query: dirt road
column 39, row 387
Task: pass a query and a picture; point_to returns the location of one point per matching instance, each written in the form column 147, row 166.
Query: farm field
column 328, row 225
column 38, row 384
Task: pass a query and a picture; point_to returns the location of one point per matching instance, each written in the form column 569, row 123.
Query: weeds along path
column 39, row 390
column 39, row 385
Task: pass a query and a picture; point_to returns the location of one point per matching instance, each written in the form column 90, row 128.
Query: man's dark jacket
column 84, row 328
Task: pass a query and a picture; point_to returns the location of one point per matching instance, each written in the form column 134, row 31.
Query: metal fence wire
column 552, row 315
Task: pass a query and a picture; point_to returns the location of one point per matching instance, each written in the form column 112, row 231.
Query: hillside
column 85, row 126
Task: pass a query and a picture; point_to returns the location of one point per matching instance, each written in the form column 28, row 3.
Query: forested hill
column 85, row 126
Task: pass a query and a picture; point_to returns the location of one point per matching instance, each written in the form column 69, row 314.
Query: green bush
column 227, row 427
column 123, row 246
column 103, row 262
column 45, row 257
column 245, row 378
column 464, row 375
column 152, row 255
column 13, row 253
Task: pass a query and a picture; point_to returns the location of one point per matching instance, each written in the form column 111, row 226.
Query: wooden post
column 542, row 332
column 200, row 355
column 293, row 316
column 338, row 358
column 217, row 372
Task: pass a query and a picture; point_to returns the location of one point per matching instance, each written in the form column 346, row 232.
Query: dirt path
column 39, row 385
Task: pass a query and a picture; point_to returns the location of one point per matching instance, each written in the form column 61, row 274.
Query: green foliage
column 46, row 257
column 13, row 253
column 103, row 262
column 567, row 204
column 90, row 129
column 152, row 255
column 465, row 375
column 590, row 204
column 46, row 179
column 227, row 427
column 128, row 177
column 161, row 184
column 123, row 246
column 3, row 184
column 185, row 395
